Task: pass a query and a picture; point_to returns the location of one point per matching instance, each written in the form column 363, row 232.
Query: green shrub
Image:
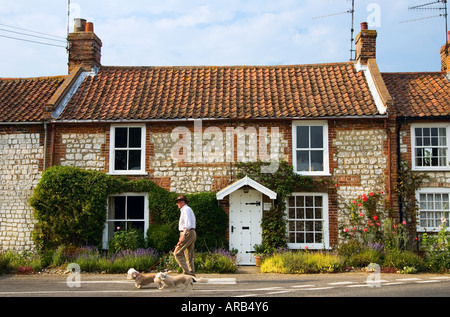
column 69, row 206
column 161, row 237
column 211, row 221
column 214, row 263
column 126, row 240
column 438, row 261
column 5, row 262
column 301, row 262
column 400, row 259
column 364, row 257
column 140, row 259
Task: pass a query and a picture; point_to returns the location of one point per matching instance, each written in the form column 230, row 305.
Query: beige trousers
column 184, row 253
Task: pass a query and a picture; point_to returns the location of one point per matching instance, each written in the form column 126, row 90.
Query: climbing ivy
column 70, row 208
column 284, row 182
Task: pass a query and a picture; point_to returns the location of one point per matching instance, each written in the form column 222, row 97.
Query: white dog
column 172, row 281
column 141, row 279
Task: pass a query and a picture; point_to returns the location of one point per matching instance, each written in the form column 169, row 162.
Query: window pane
column 316, row 160
column 135, row 207
column 419, row 141
column 139, row 225
column 292, row 237
column 120, row 140
column 303, row 161
column 119, row 207
column 316, row 137
column 309, row 213
column 291, row 214
column 309, row 201
column 135, row 137
column 135, row 160
column 300, row 200
column 303, row 137
column 120, row 162
column 318, row 201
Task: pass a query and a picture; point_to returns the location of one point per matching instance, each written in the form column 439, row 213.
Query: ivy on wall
column 69, row 206
column 284, row 182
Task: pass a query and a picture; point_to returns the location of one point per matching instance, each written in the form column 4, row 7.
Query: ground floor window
column 433, row 206
column 126, row 211
column 307, row 215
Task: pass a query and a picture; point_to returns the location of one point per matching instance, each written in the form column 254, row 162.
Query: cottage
column 185, row 128
column 423, row 130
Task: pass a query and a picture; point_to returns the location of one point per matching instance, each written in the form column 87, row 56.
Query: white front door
column 245, row 224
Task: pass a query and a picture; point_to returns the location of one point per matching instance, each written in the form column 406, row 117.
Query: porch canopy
column 246, row 181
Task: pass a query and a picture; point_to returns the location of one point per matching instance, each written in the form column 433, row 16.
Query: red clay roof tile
column 419, row 94
column 23, row 99
column 236, row 92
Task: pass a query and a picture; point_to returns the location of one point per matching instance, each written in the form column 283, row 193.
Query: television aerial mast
column 352, row 30
column 438, row 5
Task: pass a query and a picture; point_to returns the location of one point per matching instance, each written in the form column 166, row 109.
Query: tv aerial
column 352, row 30
column 438, row 5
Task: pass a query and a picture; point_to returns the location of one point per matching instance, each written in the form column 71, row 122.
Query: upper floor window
column 127, row 150
column 430, row 146
column 310, row 147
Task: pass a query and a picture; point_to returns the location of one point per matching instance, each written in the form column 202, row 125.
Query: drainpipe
column 52, row 161
column 400, row 201
column 45, row 145
column 388, row 131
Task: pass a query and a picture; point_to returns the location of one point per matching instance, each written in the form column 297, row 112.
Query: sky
column 219, row 32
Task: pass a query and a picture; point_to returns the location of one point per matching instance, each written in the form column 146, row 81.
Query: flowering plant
column 439, row 242
column 365, row 218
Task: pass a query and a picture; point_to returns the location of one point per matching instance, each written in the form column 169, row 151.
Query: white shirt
column 187, row 218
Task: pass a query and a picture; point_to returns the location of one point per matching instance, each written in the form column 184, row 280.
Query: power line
column 19, row 39
column 40, row 37
column 47, row 36
column 31, row 31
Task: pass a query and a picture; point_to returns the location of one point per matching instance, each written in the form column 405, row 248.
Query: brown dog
column 172, row 281
column 139, row 278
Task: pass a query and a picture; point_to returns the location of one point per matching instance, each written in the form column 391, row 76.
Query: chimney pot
column 364, row 26
column 89, row 27
column 79, row 25
column 84, row 47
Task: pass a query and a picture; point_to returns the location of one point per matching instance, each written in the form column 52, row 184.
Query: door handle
column 245, row 228
column 232, row 229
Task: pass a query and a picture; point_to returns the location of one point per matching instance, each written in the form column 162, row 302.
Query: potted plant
column 259, row 251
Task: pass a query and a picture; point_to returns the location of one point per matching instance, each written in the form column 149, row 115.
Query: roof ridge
column 34, row 78
column 229, row 66
column 414, row 73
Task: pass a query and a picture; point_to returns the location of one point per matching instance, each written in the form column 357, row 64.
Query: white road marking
column 341, row 283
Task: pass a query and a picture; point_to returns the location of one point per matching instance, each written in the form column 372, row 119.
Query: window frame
column 105, row 237
column 415, row 167
column 431, row 190
column 112, row 150
column 325, row 147
column 325, row 244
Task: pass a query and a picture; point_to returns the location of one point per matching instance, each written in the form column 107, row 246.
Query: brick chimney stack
column 84, row 46
column 366, row 44
column 445, row 55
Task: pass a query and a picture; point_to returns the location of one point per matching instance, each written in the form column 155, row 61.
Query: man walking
column 184, row 251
